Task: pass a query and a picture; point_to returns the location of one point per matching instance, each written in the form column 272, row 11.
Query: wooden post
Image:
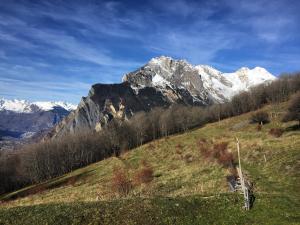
column 244, row 188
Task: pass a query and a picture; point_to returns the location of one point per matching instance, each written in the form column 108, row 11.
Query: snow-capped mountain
column 23, row 106
column 202, row 81
column 162, row 82
column 223, row 86
column 22, row 120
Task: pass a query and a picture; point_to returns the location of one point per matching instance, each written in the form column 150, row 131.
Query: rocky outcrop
column 174, row 78
column 107, row 101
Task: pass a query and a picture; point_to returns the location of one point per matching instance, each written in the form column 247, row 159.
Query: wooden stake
column 244, row 188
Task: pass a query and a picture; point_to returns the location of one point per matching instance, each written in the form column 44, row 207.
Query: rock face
column 107, row 101
column 161, row 82
column 174, row 78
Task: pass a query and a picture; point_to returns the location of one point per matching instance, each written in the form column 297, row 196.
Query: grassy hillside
column 186, row 189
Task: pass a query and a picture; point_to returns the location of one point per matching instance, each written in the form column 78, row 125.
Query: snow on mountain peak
column 24, row 106
column 200, row 80
column 159, row 59
column 15, row 105
column 46, row 106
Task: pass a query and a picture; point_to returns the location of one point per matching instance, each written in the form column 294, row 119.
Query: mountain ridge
column 24, row 106
column 161, row 82
column 165, row 71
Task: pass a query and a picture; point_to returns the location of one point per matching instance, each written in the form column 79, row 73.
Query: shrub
column 121, row 182
column 204, row 149
column 259, row 127
column 144, row 175
column 260, row 117
column 222, row 155
column 226, row 159
column 220, row 147
column 151, row 146
column 276, row 132
column 179, row 146
column 188, row 158
column 178, row 152
column 219, row 152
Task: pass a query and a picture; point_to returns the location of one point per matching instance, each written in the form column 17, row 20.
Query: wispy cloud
column 77, row 44
column 46, row 90
column 271, row 21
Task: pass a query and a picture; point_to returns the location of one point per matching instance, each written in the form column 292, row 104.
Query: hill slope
column 186, row 189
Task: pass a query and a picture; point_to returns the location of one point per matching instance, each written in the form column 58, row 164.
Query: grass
column 182, row 191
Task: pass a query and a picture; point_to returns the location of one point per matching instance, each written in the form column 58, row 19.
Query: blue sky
column 56, row 49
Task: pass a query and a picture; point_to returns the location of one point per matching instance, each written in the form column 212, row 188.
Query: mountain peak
column 167, row 60
column 243, row 69
column 161, row 58
column 200, row 81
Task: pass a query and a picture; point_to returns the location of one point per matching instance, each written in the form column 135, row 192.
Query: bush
column 259, row 127
column 219, row 152
column 204, row 149
column 179, row 146
column 222, row 155
column 276, row 132
column 144, row 175
column 151, row 146
column 188, row 158
column 260, row 117
column 121, row 182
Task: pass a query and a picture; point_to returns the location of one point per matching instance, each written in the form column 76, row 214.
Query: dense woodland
column 52, row 158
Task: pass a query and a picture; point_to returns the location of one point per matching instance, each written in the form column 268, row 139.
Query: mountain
column 107, row 101
column 20, row 119
column 204, row 83
column 23, row 106
column 162, row 82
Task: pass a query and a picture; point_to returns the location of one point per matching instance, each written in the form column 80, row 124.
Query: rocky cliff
column 107, row 101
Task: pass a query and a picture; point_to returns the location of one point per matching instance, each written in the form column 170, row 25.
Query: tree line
column 48, row 159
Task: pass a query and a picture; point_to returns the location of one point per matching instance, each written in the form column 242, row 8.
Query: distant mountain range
column 21, row 120
column 23, row 106
column 163, row 81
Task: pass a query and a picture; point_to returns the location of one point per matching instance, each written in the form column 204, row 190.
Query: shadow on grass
column 221, row 209
column 293, row 128
column 55, row 183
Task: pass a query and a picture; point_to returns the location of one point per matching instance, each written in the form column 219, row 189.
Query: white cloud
column 94, row 41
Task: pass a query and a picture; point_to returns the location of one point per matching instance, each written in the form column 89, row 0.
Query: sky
column 56, row 49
